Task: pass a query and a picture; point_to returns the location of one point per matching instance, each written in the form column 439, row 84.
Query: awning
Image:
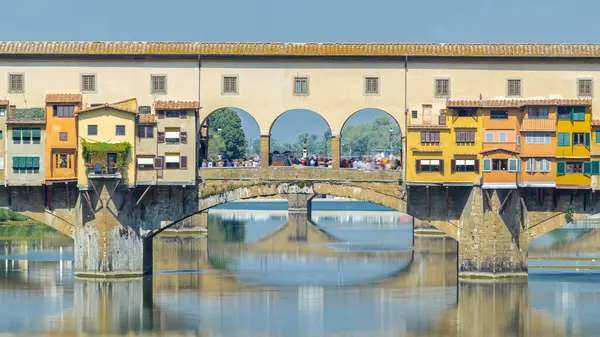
column 26, row 132
column 36, row 132
column 549, row 184
column 145, row 161
column 499, row 186
column 172, row 159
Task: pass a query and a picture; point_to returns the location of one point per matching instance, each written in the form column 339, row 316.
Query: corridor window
column 469, row 165
column 88, row 83
column 513, row 87
column 467, row 112
column 63, row 110
column 16, row 83
column 158, row 84
column 585, row 87
column 371, row 85
column 430, row 137
column 414, row 114
column 230, row 85
column 537, row 165
column 497, row 114
column 300, row 86
column 538, row 113
column 442, row 87
column 430, row 165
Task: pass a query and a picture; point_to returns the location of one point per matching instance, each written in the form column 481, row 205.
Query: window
column 1, row 135
column 430, row 165
column 502, row 137
column 16, row 83
column 158, row 84
column 489, row 137
column 597, row 137
column 371, row 85
column 62, row 160
column 499, row 114
column 537, row 138
column 145, row 163
column 537, row 165
column 172, row 135
column 172, row 161
column 468, row 165
column 120, row 130
column 538, row 113
column 23, row 165
column 581, row 138
column 62, row 136
column 2, row 112
column 499, row 165
column 574, row 113
column 414, row 114
column 574, row 167
column 88, row 83
column 1, row 163
column 300, row 85
column 230, row 85
column 92, row 130
column 564, row 139
column 442, row 87
column 585, row 87
column 144, row 110
column 145, row 131
column 467, row 112
column 16, row 132
column 172, row 113
column 63, row 111
column 463, row 137
column 430, row 137
column 513, row 87
column 26, row 135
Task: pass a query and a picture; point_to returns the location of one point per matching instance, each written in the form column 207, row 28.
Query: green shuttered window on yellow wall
column 589, row 168
column 564, row 139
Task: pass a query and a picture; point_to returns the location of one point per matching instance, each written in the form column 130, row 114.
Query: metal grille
column 584, row 88
column 88, row 83
column 230, row 85
column 301, row 85
column 514, row 87
column 159, row 84
column 371, row 85
column 442, row 87
column 16, row 83
column 145, row 110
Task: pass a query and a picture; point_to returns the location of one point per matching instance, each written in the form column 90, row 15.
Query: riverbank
column 28, row 230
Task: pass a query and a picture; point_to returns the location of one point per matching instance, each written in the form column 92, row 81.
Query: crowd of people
column 242, row 162
column 377, row 163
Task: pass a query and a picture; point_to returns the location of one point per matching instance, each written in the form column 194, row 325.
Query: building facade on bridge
column 26, row 152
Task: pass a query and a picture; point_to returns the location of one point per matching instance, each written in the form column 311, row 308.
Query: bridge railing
column 297, row 173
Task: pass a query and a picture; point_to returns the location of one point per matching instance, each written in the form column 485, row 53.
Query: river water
column 354, row 270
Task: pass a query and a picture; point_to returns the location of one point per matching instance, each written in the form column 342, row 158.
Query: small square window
column 16, row 83
column 88, row 83
column 230, row 84
column 371, row 85
column 2, row 112
column 158, row 84
column 513, row 87
column 585, row 87
column 92, row 130
column 62, row 136
column 415, row 114
column 442, row 87
column 120, row 130
column 300, row 85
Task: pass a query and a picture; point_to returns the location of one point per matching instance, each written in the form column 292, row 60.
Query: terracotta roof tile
column 428, row 126
column 63, row 98
column 3, row 102
column 596, row 122
column 515, row 102
column 175, row 105
column 301, row 49
column 499, row 149
column 146, row 119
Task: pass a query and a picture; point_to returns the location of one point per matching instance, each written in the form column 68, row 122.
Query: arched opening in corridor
column 300, row 137
column 229, row 137
column 371, row 139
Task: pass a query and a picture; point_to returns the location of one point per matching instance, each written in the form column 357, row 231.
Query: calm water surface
column 355, row 269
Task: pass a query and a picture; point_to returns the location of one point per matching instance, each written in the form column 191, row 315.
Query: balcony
column 27, row 116
column 533, row 124
column 103, row 171
column 105, row 160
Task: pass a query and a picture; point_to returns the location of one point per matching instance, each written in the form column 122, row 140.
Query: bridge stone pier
column 113, row 225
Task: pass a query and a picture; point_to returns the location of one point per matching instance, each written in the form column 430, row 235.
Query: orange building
column 501, row 145
column 61, row 138
column 538, row 147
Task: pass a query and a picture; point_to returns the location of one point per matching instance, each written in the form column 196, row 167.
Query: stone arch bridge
column 113, row 226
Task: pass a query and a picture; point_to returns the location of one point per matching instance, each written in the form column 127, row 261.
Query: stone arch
column 204, row 134
column 377, row 109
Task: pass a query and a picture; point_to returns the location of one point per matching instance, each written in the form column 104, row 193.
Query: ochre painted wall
column 54, row 146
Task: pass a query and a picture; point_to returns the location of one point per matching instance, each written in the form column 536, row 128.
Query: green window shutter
column 36, row 133
column 587, row 139
column 29, row 163
column 487, row 165
column 596, row 167
column 16, row 163
column 579, row 113
column 26, row 133
column 587, row 168
column 22, row 162
column 36, row 162
column 16, row 133
column 597, row 136
column 564, row 139
column 561, row 167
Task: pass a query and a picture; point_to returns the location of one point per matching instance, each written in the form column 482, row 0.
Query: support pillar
column 299, row 214
column 265, row 144
column 492, row 239
column 109, row 245
column 335, row 152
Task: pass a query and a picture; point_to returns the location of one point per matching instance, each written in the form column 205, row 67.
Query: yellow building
column 573, row 167
column 106, row 143
column 446, row 152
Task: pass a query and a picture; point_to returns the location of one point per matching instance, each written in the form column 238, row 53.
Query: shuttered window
column 561, row 167
column 430, row 137
column 514, row 165
column 487, row 165
column 465, row 137
column 537, row 165
column 430, row 165
column 564, row 139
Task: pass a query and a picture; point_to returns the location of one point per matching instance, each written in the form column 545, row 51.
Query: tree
column 226, row 124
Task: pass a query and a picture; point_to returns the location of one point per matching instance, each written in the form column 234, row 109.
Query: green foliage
column 8, row 215
column 122, row 149
column 368, row 138
column 31, row 113
column 569, row 215
column 233, row 140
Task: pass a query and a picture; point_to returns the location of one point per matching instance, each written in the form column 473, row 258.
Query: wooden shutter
column 423, row 136
column 437, row 136
column 161, row 137
column 183, row 137
column 452, row 165
column 183, row 162
column 158, row 163
column 587, row 139
column 441, row 164
column 587, row 168
column 418, row 165
column 161, row 114
column 183, row 114
column 477, row 165
column 427, row 137
column 140, row 131
column 596, row 167
column 458, row 137
column 487, row 165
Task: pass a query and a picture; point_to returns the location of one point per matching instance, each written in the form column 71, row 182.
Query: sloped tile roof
column 515, row 102
column 499, row 149
column 3, row 102
column 301, row 49
column 596, row 122
column 127, row 105
column 146, row 119
column 63, row 98
column 175, row 105
column 428, row 126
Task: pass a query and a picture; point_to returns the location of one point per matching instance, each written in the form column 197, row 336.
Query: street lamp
column 390, row 146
